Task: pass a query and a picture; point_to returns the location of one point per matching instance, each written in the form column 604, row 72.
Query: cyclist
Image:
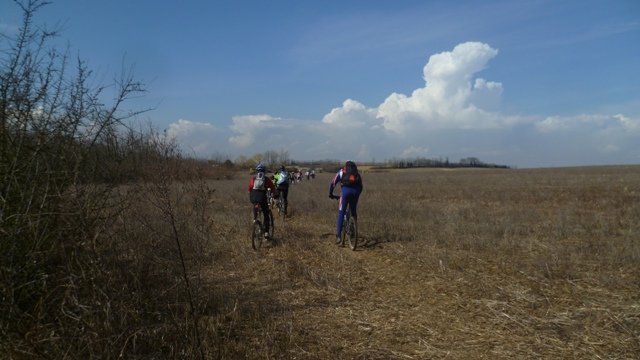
column 258, row 186
column 351, row 187
column 282, row 184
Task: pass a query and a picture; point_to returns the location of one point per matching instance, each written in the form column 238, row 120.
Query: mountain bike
column 257, row 230
column 349, row 231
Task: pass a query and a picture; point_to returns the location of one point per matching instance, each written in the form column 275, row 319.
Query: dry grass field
column 115, row 245
column 456, row 264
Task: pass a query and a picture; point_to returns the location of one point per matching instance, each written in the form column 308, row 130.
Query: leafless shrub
column 82, row 276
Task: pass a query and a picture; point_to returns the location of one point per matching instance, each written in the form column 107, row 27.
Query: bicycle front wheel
column 256, row 235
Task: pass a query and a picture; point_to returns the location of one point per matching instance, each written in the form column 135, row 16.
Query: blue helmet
column 260, row 167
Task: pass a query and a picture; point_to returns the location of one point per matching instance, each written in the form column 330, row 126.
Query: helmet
column 260, row 167
column 282, row 168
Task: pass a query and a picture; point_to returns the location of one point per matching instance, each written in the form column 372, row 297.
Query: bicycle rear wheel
column 256, row 235
column 343, row 233
column 281, row 210
column 352, row 232
column 271, row 227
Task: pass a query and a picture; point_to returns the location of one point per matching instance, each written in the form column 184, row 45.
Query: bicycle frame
column 349, row 228
column 270, row 199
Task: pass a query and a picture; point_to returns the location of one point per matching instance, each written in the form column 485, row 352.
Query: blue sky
column 523, row 83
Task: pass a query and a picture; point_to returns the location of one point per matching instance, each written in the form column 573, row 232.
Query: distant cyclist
column 258, row 186
column 351, row 186
column 282, row 179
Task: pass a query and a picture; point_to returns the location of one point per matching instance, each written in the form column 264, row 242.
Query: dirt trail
column 338, row 303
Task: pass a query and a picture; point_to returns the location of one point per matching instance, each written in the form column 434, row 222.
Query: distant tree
column 270, row 158
column 470, row 161
column 284, row 157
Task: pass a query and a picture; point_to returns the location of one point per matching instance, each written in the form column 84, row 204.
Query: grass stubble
column 538, row 263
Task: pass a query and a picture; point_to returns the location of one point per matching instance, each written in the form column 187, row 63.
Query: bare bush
column 73, row 281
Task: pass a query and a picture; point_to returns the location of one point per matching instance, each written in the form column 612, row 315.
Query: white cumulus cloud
column 592, row 122
column 185, row 127
column 352, row 114
column 414, row 152
column 249, row 127
column 456, row 114
column 195, row 136
column 451, row 97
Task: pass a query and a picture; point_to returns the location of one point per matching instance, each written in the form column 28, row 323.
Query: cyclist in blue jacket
column 351, row 186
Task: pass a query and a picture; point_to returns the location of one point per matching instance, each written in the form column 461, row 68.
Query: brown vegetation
column 457, row 264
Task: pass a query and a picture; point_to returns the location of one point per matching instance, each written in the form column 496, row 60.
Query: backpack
column 283, row 178
column 350, row 175
column 259, row 182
